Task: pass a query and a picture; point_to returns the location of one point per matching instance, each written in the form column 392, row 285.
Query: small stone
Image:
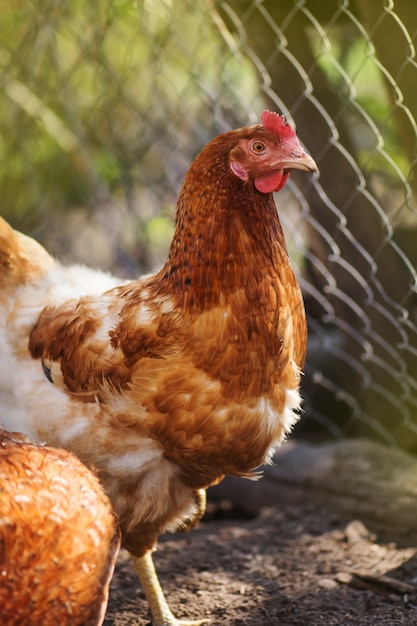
column 327, row 583
column 344, row 577
column 356, row 531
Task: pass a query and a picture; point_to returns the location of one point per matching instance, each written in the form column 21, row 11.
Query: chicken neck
column 228, row 236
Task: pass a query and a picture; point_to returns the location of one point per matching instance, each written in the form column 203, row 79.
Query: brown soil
column 300, row 560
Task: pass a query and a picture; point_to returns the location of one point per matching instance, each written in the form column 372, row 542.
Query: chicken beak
column 303, row 162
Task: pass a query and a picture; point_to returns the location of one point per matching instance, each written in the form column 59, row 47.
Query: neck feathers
column 227, row 236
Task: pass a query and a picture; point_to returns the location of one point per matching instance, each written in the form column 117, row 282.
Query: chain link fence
column 104, row 105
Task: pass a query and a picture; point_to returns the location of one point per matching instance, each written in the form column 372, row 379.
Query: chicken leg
column 161, row 613
column 145, row 569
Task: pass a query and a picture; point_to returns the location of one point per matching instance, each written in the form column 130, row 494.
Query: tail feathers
column 22, row 259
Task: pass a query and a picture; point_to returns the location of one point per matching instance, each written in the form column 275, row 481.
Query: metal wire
column 103, row 106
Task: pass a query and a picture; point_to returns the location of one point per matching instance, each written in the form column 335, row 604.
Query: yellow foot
column 180, row 622
column 161, row 613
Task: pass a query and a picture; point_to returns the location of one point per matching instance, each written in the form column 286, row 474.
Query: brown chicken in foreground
column 59, row 538
column 170, row 382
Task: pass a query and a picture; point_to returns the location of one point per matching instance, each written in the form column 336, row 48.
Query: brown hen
column 170, row 382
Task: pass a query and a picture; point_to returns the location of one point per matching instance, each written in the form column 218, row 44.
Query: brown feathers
column 21, row 258
column 58, row 538
column 167, row 383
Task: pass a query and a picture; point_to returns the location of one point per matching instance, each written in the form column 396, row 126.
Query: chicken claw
column 161, row 613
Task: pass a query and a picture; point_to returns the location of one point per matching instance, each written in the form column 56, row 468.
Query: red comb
column 277, row 124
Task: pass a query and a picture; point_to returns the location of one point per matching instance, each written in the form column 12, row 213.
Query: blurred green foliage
column 354, row 73
column 101, row 98
column 109, row 101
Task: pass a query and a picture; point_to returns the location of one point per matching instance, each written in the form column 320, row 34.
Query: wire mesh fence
column 103, row 106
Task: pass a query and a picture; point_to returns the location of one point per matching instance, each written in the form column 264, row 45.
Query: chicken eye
column 258, row 147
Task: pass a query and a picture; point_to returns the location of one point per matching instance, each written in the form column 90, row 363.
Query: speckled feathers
column 196, row 367
column 58, row 538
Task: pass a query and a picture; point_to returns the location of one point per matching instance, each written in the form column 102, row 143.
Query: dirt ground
column 299, row 559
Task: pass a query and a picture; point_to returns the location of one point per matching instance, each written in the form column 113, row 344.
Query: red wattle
column 271, row 182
